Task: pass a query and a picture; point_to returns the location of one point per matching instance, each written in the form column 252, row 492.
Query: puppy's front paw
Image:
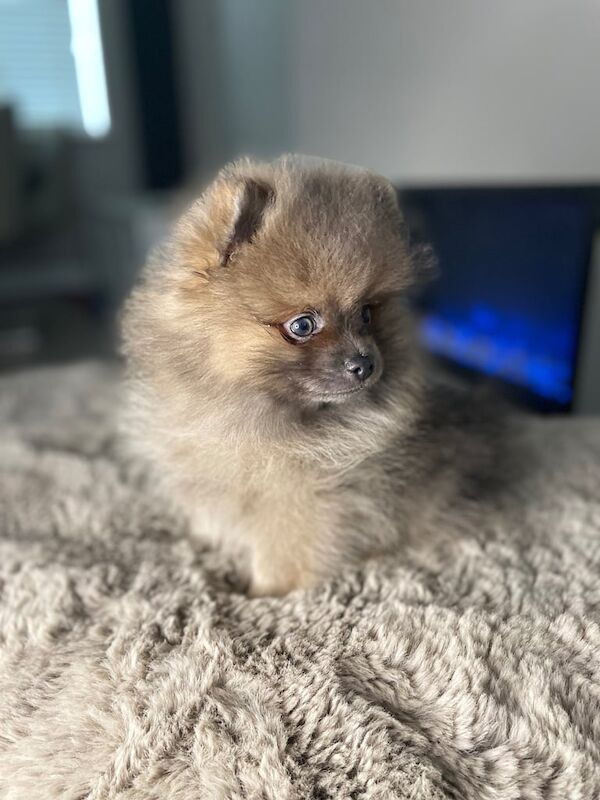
column 271, row 586
column 276, row 579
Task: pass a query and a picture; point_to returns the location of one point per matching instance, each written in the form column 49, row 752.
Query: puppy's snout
column 360, row 367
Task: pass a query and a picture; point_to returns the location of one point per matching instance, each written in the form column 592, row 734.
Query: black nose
column 360, row 367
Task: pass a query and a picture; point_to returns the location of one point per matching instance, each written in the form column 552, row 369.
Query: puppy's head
column 289, row 278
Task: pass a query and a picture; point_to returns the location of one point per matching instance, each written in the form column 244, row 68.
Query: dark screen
column 513, row 265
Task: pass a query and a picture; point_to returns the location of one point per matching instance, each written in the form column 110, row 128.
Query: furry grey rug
column 133, row 667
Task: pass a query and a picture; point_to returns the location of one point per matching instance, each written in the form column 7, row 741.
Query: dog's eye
column 301, row 327
column 365, row 314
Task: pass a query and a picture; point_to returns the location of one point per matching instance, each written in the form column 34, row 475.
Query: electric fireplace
column 515, row 286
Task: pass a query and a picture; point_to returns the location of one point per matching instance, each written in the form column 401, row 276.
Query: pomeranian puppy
column 276, row 385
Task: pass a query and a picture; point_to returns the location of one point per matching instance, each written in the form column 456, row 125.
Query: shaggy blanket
column 132, row 666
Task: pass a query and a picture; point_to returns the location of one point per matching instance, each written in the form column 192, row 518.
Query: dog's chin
column 330, row 398
column 317, row 397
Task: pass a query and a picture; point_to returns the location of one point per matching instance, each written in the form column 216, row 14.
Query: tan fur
column 225, row 406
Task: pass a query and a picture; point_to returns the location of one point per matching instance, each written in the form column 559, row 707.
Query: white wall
column 466, row 89
column 421, row 90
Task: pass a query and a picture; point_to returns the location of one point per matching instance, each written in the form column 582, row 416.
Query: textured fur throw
column 134, row 667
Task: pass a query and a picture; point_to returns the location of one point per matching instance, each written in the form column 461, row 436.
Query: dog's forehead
column 332, row 199
column 333, row 238
column 318, row 275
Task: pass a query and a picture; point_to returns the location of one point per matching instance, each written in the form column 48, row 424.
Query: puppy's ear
column 386, row 197
column 226, row 218
column 251, row 204
column 423, row 260
column 425, row 263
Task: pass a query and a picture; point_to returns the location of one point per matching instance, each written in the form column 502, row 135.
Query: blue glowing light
column 515, row 348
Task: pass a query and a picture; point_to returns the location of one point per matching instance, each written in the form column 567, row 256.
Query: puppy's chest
column 278, row 487
column 269, row 492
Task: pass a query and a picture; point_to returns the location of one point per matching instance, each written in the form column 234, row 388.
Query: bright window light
column 86, row 46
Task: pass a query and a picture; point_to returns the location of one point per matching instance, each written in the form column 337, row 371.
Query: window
column 52, row 65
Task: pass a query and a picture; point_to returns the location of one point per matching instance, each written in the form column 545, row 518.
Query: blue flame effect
column 521, row 351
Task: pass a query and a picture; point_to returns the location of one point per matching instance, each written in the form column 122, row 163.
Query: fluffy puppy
column 275, row 383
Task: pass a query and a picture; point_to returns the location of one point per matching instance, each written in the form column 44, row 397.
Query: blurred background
column 485, row 115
